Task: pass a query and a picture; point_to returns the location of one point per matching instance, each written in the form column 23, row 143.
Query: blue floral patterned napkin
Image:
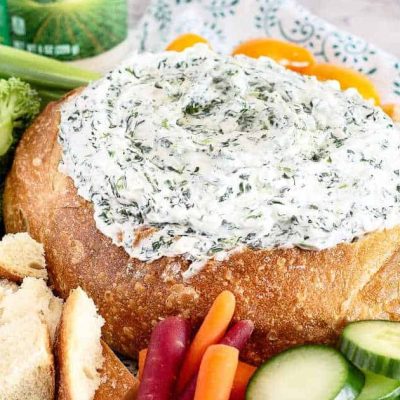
column 225, row 23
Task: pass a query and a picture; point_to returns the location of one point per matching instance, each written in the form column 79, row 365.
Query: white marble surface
column 376, row 20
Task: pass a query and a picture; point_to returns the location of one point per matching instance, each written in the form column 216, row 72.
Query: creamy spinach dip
column 198, row 154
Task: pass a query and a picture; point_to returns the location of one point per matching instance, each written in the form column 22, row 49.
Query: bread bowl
column 294, row 295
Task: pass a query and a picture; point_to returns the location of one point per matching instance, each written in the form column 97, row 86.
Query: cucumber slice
column 310, row 372
column 374, row 346
column 379, row 387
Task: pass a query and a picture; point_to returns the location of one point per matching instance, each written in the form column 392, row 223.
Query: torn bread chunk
column 7, row 287
column 33, row 297
column 21, row 256
column 26, row 360
column 79, row 349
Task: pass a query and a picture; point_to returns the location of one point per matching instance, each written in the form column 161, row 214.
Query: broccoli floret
column 19, row 104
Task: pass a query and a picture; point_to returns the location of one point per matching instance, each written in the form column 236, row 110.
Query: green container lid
column 4, row 29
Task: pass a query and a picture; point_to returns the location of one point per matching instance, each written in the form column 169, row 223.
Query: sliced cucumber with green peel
column 379, row 387
column 374, row 346
column 309, row 372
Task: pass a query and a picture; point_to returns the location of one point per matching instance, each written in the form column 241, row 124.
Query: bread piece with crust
column 6, row 287
column 28, row 319
column 79, row 350
column 21, row 256
column 32, row 298
column 293, row 296
column 116, row 380
column 29, row 316
column 26, row 360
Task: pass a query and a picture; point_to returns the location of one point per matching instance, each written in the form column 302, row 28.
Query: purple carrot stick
column 239, row 334
column 167, row 348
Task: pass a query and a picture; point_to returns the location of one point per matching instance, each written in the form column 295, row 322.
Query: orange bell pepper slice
column 184, row 41
column 393, row 110
column 348, row 78
column 289, row 55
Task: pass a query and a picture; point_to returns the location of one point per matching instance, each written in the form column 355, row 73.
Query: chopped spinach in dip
column 198, row 154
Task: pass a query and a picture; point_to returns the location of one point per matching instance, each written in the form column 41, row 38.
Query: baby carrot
column 211, row 331
column 184, row 41
column 237, row 337
column 217, row 372
column 141, row 362
column 242, row 377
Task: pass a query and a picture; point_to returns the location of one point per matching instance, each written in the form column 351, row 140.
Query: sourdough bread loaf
column 294, row 296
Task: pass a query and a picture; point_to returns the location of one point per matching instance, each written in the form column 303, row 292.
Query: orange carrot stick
column 211, row 331
column 184, row 41
column 289, row 55
column 141, row 362
column 217, row 372
column 347, row 77
column 244, row 372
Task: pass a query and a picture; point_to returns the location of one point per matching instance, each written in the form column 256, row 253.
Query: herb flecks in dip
column 214, row 153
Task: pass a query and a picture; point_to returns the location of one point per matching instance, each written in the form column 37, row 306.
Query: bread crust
column 293, row 296
column 62, row 348
column 16, row 246
column 116, row 380
column 10, row 275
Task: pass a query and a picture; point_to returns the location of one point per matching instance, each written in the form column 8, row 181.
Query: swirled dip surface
column 215, row 153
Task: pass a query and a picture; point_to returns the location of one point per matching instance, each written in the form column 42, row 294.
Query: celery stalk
column 42, row 71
